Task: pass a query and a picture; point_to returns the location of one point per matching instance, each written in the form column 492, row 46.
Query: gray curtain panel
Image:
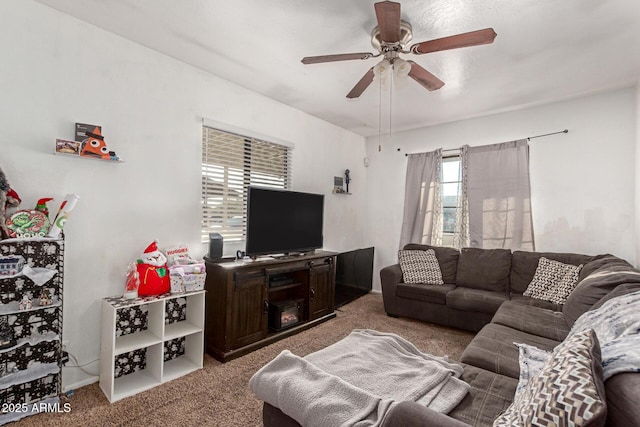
column 499, row 196
column 422, row 218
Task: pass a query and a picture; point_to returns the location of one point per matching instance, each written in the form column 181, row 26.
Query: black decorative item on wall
column 347, row 179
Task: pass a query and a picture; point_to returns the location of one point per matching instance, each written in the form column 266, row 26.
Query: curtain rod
column 529, row 138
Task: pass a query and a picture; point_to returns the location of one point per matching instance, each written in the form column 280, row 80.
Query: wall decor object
column 28, row 223
column 89, row 143
column 67, row 205
column 82, row 129
column 338, row 184
column 64, row 146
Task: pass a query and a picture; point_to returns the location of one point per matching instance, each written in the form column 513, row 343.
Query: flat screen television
column 283, row 222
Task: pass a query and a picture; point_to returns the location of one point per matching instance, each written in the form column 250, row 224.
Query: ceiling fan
column 390, row 37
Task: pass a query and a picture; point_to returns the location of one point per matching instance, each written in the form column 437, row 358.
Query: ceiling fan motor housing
column 406, row 34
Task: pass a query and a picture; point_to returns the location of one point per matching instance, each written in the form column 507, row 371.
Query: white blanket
column 617, row 326
column 357, row 380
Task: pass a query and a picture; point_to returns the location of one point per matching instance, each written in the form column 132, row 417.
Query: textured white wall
column 57, row 71
column 582, row 182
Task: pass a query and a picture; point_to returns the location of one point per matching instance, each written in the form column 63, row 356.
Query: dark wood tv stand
column 241, row 294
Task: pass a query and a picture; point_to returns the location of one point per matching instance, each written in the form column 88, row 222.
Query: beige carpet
column 218, row 395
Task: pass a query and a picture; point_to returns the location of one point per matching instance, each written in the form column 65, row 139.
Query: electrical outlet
column 65, row 344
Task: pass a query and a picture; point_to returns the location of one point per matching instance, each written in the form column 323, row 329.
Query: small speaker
column 215, row 246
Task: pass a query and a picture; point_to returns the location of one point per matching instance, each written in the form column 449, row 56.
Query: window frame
column 234, row 158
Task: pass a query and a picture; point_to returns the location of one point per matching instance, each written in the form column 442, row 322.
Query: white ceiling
column 546, row 50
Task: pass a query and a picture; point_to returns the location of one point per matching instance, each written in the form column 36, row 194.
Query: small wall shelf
column 78, row 156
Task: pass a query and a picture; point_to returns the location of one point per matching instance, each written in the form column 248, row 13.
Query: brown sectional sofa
column 483, row 292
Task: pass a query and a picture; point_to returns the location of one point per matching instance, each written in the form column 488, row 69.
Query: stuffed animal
column 8, row 199
column 153, row 272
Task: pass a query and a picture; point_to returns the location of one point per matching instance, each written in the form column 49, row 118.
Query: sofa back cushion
column 486, row 269
column 524, row 265
column 447, row 259
column 606, row 274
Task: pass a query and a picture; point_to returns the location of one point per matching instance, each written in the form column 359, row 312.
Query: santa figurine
column 153, row 272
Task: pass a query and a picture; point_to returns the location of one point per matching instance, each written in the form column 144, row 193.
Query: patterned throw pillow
column 569, row 390
column 553, row 281
column 420, row 267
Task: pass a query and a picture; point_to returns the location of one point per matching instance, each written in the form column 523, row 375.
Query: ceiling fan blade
column 473, row 38
column 360, row 87
column 388, row 14
column 425, row 78
column 333, row 58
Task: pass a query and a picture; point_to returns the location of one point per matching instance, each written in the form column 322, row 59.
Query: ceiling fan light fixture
column 381, row 70
column 401, row 69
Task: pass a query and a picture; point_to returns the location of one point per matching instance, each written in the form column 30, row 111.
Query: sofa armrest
column 411, row 414
column 390, row 276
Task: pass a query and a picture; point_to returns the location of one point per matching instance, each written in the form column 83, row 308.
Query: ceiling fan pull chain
column 380, row 115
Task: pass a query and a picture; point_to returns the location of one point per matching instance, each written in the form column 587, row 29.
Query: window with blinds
column 230, row 164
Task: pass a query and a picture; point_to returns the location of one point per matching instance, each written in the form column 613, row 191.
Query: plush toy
column 153, row 272
column 8, row 199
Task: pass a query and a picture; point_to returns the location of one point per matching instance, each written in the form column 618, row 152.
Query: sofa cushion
column 553, row 281
column 622, row 400
column 420, row 267
column 532, row 320
column 484, row 269
column 524, row 265
column 569, row 390
column 597, row 284
column 447, row 259
column 493, row 349
column 468, row 299
column 624, row 289
column 428, row 293
column 521, row 299
column 490, row 394
column 600, row 261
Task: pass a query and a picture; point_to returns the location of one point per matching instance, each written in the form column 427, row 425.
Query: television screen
column 280, row 221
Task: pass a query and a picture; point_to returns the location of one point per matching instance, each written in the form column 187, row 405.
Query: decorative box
column 284, row 314
column 11, row 265
column 188, row 277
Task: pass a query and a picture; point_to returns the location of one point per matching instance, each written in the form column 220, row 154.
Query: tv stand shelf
column 239, row 297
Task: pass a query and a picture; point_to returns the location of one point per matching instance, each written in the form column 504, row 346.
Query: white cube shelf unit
column 149, row 341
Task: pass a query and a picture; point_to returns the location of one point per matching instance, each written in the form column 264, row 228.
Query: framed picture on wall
column 67, row 147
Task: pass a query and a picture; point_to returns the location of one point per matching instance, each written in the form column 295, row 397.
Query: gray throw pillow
column 420, row 267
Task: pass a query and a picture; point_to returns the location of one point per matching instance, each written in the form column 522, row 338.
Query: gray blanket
column 357, row 380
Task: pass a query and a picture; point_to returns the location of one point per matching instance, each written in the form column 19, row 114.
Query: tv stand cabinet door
column 321, row 288
column 249, row 310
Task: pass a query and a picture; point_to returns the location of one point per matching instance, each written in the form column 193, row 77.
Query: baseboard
column 76, row 385
column 375, row 291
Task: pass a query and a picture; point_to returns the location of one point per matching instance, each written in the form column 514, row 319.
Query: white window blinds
column 230, row 164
